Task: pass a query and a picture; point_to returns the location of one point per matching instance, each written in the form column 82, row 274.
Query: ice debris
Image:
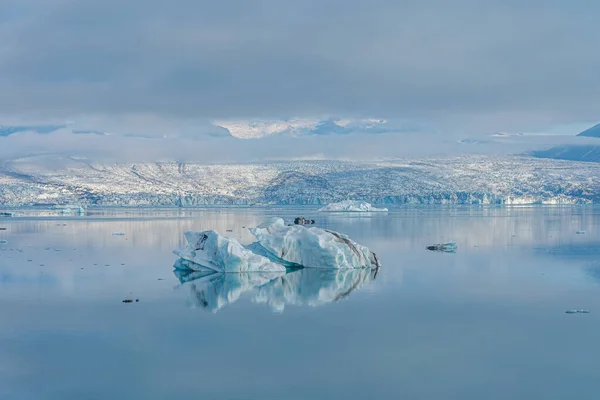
column 445, row 247
column 210, row 250
column 313, row 247
column 352, row 206
column 580, row 232
column 577, row 311
column 9, row 214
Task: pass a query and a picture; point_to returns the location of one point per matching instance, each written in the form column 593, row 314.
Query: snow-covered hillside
column 256, row 129
column 460, row 180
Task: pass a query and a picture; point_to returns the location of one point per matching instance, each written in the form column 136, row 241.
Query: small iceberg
column 445, row 247
column 278, row 249
column 313, row 247
column 9, row 214
column 210, row 250
column 69, row 209
column 580, row 232
column 577, row 311
column 352, row 206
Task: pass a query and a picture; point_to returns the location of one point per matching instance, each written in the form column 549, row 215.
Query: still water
column 487, row 322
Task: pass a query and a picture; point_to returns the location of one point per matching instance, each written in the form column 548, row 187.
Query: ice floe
column 352, row 206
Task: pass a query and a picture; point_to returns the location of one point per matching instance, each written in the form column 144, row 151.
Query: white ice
column 352, row 206
column 223, row 254
column 312, row 247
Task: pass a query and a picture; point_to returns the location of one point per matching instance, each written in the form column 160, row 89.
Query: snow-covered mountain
column 594, row 131
column 459, row 180
column 256, row 129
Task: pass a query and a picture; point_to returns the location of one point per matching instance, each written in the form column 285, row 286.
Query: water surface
column 486, row 322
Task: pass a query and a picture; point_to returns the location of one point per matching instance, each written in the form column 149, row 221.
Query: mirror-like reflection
column 303, row 287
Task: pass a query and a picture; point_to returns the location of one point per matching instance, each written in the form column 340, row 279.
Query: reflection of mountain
column 305, row 287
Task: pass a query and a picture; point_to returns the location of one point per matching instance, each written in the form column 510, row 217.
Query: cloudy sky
column 154, row 68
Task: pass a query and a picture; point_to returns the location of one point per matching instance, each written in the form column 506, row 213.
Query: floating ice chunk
column 580, row 232
column 10, row 214
column 352, row 206
column 2, row 241
column 313, row 247
column 446, row 247
column 577, row 311
column 118, row 234
column 208, row 249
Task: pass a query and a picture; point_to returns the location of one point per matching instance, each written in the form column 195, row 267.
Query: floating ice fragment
column 580, row 232
column 577, row 311
column 3, row 241
column 313, row 247
column 10, row 214
column 352, row 206
column 208, row 249
column 118, row 234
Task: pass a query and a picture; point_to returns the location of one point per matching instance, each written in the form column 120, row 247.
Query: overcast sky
column 160, row 66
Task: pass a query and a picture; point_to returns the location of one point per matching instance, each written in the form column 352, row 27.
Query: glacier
column 210, row 250
column 313, row 247
column 472, row 179
column 352, row 206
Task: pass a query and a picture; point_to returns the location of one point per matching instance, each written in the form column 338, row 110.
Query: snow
column 257, row 129
column 352, row 206
column 222, row 254
column 312, row 247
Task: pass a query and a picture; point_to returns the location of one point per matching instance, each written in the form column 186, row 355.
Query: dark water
column 487, row 322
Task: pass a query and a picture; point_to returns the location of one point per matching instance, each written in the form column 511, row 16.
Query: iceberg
column 306, row 287
column 10, row 214
column 210, row 250
column 69, row 209
column 313, row 247
column 352, row 206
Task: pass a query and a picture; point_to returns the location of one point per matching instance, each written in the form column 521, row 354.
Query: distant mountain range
column 257, row 129
column 574, row 152
column 594, row 131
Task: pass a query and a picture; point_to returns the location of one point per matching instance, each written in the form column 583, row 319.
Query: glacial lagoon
column 487, row 321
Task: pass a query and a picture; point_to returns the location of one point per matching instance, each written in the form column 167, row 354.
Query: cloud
column 464, row 65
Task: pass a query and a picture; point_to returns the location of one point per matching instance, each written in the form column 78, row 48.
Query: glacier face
column 456, row 180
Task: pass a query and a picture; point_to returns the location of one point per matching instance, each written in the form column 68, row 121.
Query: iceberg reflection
column 304, row 287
